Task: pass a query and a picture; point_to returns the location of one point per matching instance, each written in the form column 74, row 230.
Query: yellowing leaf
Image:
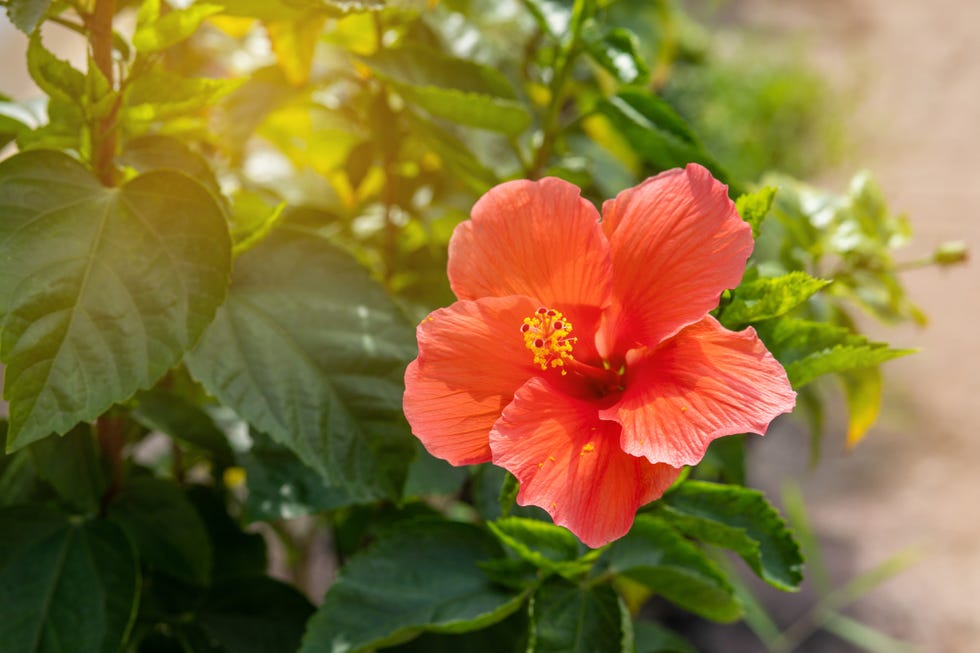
column 862, row 390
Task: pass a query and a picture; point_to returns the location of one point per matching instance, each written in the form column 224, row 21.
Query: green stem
column 550, row 124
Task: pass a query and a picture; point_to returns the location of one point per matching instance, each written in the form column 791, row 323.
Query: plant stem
column 550, row 124
column 99, row 24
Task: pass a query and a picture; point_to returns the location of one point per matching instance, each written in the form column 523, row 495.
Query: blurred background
column 903, row 82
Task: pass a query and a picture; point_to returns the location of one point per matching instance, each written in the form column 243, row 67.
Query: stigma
column 547, row 335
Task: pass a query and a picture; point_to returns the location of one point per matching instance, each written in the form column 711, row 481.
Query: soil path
column 914, row 482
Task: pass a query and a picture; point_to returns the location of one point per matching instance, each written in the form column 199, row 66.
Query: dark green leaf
column 460, row 161
column 309, row 349
column 421, row 576
column 654, row 638
column 431, row 475
column 255, row 615
column 507, row 636
column 184, row 421
column 102, row 290
column 72, row 466
column 768, row 297
column 167, row 530
column 662, row 559
column 656, row 132
column 618, row 51
column 457, row 90
column 282, row 487
column 567, row 618
column 754, row 207
column 26, row 15
column 739, row 519
column 64, row 586
column 237, row 554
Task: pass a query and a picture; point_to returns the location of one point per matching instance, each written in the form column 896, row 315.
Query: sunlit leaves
column 618, row 51
column 657, row 134
column 811, row 349
column 54, row 76
column 421, row 576
column 157, row 31
column 768, row 297
column 754, row 207
column 309, row 349
column 64, row 585
column 26, row 15
column 454, row 89
column 103, row 289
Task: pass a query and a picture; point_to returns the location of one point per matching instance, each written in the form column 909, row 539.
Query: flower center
column 546, row 334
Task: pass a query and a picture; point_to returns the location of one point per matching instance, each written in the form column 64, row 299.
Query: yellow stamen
column 546, row 334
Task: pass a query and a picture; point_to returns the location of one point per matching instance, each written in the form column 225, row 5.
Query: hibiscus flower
column 581, row 356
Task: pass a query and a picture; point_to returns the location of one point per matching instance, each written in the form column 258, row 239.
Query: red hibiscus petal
column 569, row 462
column 539, row 239
column 701, row 384
column 676, row 243
column 471, row 360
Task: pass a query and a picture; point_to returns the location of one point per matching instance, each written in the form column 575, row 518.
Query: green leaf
column 17, row 473
column 423, row 575
column 54, row 76
column 282, row 487
column 862, row 390
column 184, row 421
column 656, row 132
column 309, row 349
column 102, row 289
column 460, row 160
column 157, row 152
column 754, row 207
column 567, row 618
column 431, row 475
column 507, row 636
column 73, row 466
column 739, row 519
column 64, row 586
column 654, row 638
column 618, row 51
column 768, row 297
column 26, row 15
column 155, row 32
column 255, row 615
column 237, row 554
column 158, row 96
column 546, row 546
column 167, row 530
column 656, row 555
column 454, row 89
column 841, row 358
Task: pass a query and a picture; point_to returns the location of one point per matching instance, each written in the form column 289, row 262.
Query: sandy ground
column 914, row 68
column 912, row 483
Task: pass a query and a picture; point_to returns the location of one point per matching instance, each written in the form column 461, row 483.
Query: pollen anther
column 547, row 335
